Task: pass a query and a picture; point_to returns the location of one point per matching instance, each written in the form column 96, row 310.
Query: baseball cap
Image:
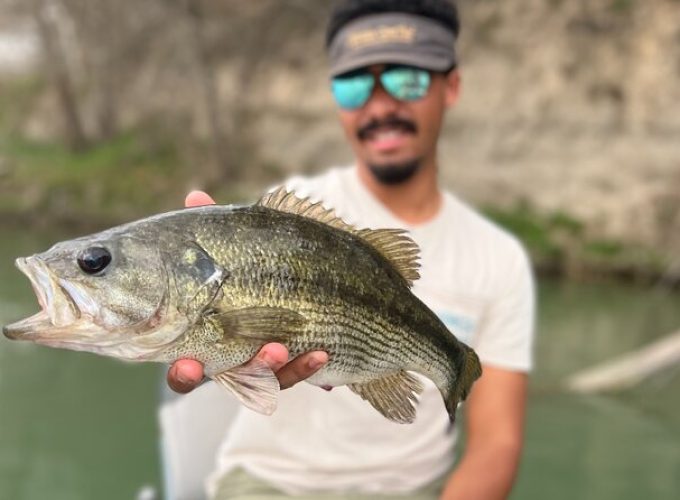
column 392, row 38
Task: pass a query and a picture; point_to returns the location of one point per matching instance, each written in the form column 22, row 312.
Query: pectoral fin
column 394, row 396
column 266, row 324
column 253, row 383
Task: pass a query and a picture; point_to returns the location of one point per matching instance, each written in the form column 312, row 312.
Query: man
column 394, row 74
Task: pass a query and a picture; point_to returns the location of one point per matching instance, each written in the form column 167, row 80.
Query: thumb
column 198, row 199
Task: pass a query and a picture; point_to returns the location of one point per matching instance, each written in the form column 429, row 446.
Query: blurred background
column 568, row 134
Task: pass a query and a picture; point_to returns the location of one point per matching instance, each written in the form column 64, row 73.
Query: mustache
column 391, row 121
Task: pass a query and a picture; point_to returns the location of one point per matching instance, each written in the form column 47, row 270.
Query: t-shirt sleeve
column 506, row 334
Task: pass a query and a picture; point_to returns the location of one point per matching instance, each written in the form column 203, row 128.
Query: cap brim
column 425, row 61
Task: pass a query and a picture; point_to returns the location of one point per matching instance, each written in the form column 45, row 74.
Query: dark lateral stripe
column 396, row 347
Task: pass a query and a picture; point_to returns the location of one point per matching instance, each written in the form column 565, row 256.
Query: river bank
column 45, row 185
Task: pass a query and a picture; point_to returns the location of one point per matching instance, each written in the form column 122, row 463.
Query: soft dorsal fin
column 393, row 244
column 397, row 247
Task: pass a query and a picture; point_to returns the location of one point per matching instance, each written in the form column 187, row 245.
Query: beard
column 391, row 174
column 396, row 173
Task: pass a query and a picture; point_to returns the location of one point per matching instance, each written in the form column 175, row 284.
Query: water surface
column 619, row 446
column 72, row 425
column 77, row 426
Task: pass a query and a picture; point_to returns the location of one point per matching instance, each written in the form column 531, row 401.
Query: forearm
column 495, row 434
column 485, row 473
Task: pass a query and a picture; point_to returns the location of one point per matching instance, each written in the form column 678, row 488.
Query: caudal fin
column 467, row 372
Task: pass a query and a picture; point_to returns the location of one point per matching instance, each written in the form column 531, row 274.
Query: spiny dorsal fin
column 394, row 396
column 393, row 244
column 285, row 201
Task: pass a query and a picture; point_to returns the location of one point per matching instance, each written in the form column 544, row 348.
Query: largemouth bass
column 216, row 283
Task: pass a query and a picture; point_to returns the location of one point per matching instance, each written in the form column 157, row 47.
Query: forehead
column 377, row 69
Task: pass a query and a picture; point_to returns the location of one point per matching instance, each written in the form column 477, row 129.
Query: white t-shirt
column 475, row 277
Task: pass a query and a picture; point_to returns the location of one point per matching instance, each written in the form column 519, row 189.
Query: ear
column 452, row 88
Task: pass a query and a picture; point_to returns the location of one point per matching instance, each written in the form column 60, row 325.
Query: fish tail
column 468, row 369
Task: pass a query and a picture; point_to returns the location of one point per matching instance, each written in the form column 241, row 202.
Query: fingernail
column 315, row 364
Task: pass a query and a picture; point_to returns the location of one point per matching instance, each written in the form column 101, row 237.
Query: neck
column 415, row 201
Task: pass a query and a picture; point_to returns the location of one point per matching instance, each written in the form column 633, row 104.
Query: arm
column 494, row 416
column 186, row 374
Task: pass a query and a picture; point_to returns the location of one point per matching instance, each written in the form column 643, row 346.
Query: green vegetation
column 138, row 173
column 16, row 97
column 559, row 243
column 543, row 235
column 112, row 181
column 604, row 248
column 622, row 6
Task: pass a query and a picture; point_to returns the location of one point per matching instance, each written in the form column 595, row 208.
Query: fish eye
column 94, row 260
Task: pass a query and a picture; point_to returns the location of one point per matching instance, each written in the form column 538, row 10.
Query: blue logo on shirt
column 461, row 326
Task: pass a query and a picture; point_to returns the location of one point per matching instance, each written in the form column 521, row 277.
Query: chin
column 394, row 173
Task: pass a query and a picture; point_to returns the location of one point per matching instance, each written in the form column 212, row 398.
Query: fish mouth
column 70, row 317
column 58, row 310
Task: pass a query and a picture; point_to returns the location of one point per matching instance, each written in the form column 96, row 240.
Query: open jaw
column 71, row 318
column 60, row 317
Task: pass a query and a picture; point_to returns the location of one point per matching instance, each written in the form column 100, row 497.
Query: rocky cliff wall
column 568, row 106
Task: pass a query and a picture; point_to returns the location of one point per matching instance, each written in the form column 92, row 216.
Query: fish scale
column 350, row 365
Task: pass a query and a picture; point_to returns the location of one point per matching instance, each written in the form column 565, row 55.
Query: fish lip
column 27, row 328
column 23, row 264
column 48, row 292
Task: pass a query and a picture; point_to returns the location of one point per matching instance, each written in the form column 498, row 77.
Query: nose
column 381, row 104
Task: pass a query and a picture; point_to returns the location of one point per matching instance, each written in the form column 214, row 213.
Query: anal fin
column 254, row 384
column 394, row 396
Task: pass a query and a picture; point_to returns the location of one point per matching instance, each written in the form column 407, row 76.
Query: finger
column 185, row 375
column 301, row 368
column 198, row 199
column 274, row 354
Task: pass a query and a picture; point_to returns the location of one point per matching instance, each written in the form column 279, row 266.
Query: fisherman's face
column 395, row 138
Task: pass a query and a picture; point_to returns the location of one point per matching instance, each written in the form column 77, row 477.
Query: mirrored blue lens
column 406, row 83
column 352, row 92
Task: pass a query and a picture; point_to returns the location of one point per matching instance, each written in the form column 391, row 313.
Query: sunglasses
column 405, row 83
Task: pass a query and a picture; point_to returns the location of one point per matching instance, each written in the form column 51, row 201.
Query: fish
column 216, row 283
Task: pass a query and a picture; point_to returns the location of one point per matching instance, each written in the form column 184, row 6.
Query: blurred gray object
column 192, row 427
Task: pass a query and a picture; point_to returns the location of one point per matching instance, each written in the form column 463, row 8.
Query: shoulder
column 485, row 237
column 490, row 260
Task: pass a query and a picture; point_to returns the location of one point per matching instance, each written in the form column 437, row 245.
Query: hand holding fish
column 185, row 375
